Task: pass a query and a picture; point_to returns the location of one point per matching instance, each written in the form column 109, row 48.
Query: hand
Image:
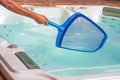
column 41, row 19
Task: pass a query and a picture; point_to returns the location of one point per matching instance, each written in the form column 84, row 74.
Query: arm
column 13, row 6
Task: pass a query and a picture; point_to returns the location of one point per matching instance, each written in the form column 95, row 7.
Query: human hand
column 40, row 19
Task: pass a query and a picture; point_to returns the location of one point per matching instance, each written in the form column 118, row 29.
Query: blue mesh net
column 82, row 35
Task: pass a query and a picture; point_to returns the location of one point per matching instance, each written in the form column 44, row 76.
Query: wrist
column 33, row 15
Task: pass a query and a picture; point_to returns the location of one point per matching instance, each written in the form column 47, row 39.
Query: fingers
column 45, row 23
column 41, row 19
column 44, row 20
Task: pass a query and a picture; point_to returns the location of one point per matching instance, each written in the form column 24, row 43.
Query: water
column 38, row 42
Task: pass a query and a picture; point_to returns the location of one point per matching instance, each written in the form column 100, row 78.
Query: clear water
column 38, row 42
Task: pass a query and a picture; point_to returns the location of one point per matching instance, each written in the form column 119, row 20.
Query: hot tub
column 35, row 56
